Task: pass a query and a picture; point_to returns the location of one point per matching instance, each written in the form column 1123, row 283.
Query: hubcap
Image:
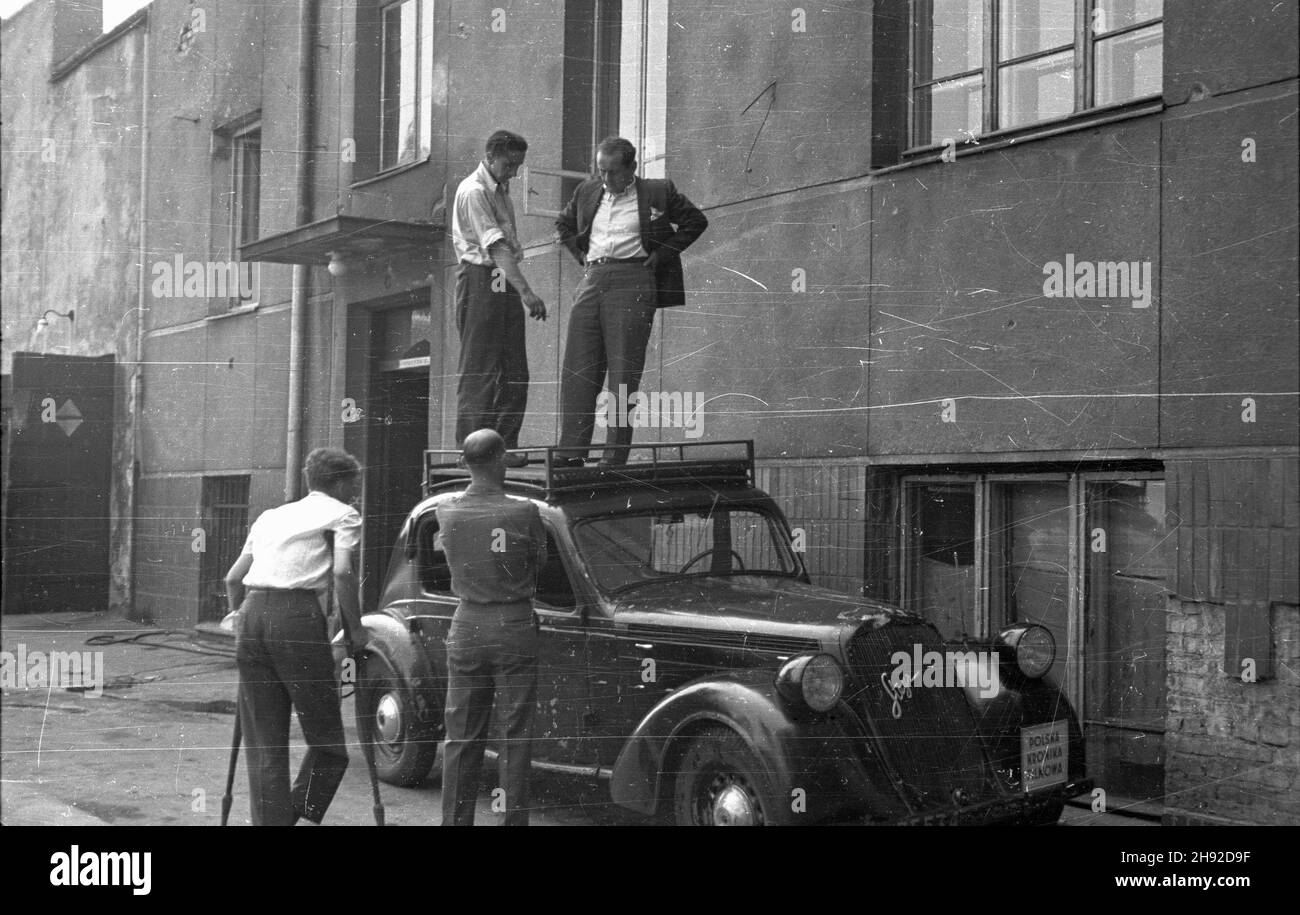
column 388, row 718
column 732, row 806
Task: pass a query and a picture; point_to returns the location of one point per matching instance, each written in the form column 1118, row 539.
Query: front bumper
column 1003, row 810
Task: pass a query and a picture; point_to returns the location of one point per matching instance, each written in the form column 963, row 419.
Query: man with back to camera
column 490, row 292
column 495, row 546
column 628, row 233
column 282, row 643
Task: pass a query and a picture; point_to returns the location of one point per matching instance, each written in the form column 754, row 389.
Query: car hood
column 746, row 600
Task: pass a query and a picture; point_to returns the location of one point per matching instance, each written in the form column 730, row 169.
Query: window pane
column 1125, row 609
column 1109, row 15
column 954, row 109
column 1028, row 27
column 398, row 141
column 425, row 115
column 1129, row 66
column 942, row 550
column 249, row 185
column 406, row 117
column 1037, row 90
column 949, row 38
column 1029, row 559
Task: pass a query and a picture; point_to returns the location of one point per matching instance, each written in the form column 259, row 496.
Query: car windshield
column 628, row 550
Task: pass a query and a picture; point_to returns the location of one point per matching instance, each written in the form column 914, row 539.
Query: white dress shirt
column 288, row 543
column 616, row 227
column 483, row 215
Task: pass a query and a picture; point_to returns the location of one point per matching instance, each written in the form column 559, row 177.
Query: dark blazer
column 675, row 224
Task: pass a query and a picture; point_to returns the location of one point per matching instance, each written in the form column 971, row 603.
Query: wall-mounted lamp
column 337, row 265
column 42, row 325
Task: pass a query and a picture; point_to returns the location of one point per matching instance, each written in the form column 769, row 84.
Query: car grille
column 932, row 742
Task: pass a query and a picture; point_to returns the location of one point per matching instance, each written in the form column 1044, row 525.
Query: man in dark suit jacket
column 629, row 233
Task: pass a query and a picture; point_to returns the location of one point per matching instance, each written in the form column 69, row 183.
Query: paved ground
column 154, row 747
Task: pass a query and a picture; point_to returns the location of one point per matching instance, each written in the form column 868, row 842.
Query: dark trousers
column 493, row 388
column 613, row 314
column 285, row 664
column 483, row 657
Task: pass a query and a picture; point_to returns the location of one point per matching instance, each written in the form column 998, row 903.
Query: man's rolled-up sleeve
column 347, row 533
column 478, row 220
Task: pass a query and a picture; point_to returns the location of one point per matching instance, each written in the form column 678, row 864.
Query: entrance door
column 1126, row 568
column 57, row 503
column 399, row 433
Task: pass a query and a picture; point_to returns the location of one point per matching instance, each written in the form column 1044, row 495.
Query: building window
column 237, row 188
column 224, row 511
column 1084, row 554
column 406, row 96
column 985, row 65
column 245, row 185
column 592, row 51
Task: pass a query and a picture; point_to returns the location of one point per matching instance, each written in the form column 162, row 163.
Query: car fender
column 391, row 637
column 782, row 740
column 1019, row 703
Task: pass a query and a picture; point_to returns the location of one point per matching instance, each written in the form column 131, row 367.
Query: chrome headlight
column 1032, row 646
column 816, row 680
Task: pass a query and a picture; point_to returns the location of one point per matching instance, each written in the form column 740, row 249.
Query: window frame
column 423, row 117
column 990, row 620
column 230, row 142
column 1083, row 49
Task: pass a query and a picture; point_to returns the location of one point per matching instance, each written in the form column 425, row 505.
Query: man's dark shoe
column 516, row 460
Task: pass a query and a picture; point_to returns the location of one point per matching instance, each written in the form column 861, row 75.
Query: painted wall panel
column 757, row 106
column 774, row 332
column 1231, row 273
column 174, row 404
column 1200, row 48
column 961, row 310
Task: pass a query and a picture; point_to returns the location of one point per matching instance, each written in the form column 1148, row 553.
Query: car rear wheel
column 404, row 751
column 720, row 782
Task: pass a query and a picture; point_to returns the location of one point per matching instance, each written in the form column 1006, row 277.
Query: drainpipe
column 137, row 370
column 293, row 456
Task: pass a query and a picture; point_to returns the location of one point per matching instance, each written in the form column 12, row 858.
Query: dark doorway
column 398, row 433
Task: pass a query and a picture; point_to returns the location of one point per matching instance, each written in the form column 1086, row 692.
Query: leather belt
column 603, row 261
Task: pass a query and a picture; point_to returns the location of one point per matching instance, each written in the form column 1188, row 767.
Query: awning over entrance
column 343, row 236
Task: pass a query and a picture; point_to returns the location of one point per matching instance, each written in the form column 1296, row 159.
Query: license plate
column 1044, row 755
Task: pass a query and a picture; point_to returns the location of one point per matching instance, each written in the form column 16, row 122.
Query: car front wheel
column 720, row 782
column 404, row 752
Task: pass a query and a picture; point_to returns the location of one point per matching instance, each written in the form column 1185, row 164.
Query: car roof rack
column 727, row 462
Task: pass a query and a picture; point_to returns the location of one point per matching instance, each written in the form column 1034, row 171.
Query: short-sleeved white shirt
column 483, row 215
column 288, row 543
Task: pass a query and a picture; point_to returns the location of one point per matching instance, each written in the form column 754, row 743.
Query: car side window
column 435, row 573
column 553, row 586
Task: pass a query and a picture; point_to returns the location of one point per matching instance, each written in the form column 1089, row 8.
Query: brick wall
column 1233, row 748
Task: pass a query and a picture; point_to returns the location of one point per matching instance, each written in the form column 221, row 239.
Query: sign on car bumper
column 1044, row 755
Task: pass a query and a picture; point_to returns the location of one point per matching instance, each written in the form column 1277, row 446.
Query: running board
column 562, row 768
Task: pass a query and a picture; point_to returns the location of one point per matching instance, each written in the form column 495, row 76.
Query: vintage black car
column 689, row 664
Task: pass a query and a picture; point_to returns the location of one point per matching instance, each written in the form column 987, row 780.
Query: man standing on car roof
column 491, row 297
column 495, row 546
column 629, row 234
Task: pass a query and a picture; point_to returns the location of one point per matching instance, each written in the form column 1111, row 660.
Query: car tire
column 720, row 782
column 405, row 751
